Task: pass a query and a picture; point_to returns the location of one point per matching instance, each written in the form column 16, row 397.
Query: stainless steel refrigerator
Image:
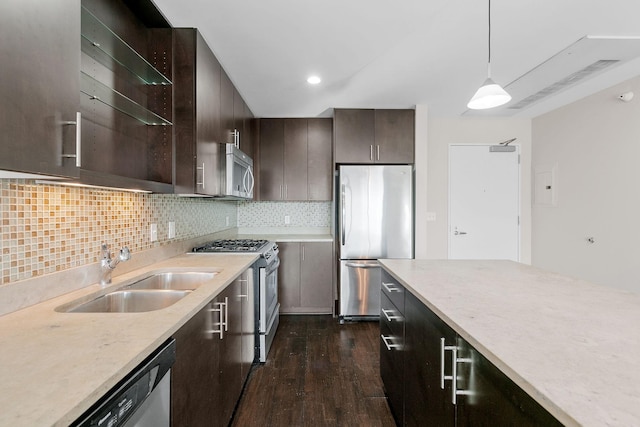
column 375, row 220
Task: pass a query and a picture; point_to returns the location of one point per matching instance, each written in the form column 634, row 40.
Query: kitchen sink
column 129, row 301
column 181, row 281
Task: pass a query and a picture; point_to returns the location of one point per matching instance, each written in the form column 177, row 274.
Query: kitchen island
column 571, row 345
column 55, row 365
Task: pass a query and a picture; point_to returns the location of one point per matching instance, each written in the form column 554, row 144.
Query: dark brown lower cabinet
column 480, row 395
column 210, row 368
column 305, row 278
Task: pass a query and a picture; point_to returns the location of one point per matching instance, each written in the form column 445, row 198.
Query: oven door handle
column 273, row 266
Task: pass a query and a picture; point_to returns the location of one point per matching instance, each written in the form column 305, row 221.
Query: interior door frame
column 519, row 186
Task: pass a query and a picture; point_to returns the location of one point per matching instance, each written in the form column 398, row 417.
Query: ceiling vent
column 582, row 60
column 588, row 71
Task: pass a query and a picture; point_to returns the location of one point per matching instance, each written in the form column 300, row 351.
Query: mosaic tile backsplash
column 271, row 214
column 49, row 228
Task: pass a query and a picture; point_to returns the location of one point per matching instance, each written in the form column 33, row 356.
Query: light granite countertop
column 54, row 366
column 572, row 345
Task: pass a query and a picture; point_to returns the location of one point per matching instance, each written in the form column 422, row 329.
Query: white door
column 484, row 203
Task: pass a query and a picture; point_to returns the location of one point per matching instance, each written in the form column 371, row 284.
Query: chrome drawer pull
column 390, row 318
column 391, row 287
column 386, row 341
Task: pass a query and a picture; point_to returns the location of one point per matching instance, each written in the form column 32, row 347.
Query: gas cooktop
column 232, row 245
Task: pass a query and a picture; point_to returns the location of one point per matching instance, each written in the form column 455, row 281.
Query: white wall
column 434, row 183
column 595, row 144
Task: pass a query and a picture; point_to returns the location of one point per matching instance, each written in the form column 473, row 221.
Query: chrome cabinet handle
column 454, row 370
column 391, row 287
column 371, row 152
column 226, row 314
column 344, row 213
column 221, row 323
column 78, row 155
column 377, row 152
column 246, row 294
column 390, row 318
column 386, row 341
column 200, row 168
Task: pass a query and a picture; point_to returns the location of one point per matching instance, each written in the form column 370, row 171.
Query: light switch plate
column 172, row 230
column 153, row 233
column 287, row 220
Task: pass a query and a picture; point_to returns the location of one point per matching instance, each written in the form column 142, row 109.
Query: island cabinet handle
column 454, row 370
column 391, row 287
column 390, row 318
column 387, row 341
column 226, row 314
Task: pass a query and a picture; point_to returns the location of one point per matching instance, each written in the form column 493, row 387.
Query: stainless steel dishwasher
column 142, row 399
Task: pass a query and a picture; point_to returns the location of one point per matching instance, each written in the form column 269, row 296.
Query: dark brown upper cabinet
column 235, row 117
column 374, row 136
column 40, row 86
column 197, row 115
column 86, row 92
column 295, row 159
column 126, row 96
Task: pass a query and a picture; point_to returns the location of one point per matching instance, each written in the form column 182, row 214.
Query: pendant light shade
column 490, row 94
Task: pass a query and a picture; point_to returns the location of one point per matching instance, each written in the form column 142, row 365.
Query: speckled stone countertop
column 54, row 366
column 572, row 345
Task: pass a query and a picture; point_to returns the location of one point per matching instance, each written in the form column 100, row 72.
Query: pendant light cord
column 489, row 43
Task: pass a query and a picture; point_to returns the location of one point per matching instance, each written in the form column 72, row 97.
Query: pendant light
column 490, row 94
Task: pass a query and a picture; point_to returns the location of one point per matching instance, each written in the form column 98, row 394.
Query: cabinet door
column 354, row 135
column 227, row 123
column 247, row 143
column 426, row 403
column 495, row 397
column 194, row 375
column 319, row 162
column 394, row 136
column 230, row 379
column 295, row 159
column 316, row 277
column 271, row 159
column 289, row 277
column 248, row 322
column 40, row 85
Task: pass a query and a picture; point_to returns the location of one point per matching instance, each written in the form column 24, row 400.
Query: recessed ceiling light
column 314, row 80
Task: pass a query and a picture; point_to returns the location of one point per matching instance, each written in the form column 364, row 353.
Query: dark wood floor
column 318, row 373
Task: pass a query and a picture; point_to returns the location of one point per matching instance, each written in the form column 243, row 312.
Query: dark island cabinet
column 433, row 393
column 214, row 351
column 295, row 159
column 374, row 136
column 40, row 86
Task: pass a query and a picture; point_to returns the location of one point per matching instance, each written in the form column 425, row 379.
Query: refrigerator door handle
column 344, row 214
column 362, row 265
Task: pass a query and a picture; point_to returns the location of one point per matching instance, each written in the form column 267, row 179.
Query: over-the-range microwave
column 239, row 179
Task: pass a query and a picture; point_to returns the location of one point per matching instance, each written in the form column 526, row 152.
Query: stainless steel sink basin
column 129, row 301
column 183, row 280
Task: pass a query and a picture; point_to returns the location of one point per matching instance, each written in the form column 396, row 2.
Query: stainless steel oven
column 267, row 307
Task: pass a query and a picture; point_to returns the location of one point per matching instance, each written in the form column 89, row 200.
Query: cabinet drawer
column 391, row 316
column 393, row 290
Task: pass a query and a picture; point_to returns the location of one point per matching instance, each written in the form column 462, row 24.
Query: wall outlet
column 287, row 220
column 153, row 233
column 227, row 221
column 172, row 230
column 430, row 216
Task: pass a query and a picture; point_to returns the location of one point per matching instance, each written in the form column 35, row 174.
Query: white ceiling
column 396, row 54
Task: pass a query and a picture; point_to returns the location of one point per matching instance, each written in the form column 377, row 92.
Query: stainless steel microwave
column 239, row 177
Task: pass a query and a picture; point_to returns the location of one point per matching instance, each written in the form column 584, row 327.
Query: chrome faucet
column 107, row 265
